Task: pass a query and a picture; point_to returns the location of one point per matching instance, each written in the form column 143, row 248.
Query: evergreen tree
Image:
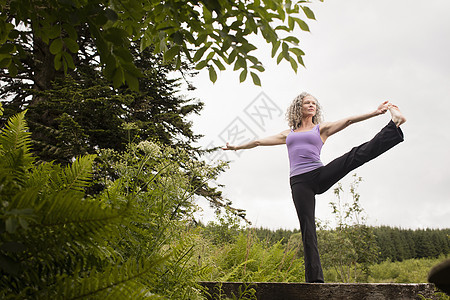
column 401, row 244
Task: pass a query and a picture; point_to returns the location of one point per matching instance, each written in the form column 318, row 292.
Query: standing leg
column 387, row 138
column 305, row 203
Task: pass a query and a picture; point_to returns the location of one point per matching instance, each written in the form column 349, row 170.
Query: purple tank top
column 304, row 150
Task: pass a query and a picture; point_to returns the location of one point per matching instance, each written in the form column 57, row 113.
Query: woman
column 308, row 176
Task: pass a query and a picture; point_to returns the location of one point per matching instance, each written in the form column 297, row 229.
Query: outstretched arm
column 329, row 128
column 277, row 139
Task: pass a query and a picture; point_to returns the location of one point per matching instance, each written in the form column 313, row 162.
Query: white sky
column 358, row 54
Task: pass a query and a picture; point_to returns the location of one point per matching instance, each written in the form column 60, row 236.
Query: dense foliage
column 210, row 33
column 130, row 241
column 243, row 256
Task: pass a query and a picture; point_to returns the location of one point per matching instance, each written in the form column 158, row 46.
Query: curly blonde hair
column 294, row 111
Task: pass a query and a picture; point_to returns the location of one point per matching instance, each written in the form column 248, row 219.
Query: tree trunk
column 44, row 70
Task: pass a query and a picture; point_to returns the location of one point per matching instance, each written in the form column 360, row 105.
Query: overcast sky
column 358, row 54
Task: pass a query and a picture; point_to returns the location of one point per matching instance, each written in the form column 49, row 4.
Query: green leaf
column 292, row 39
column 279, row 58
column 5, row 62
column 54, row 31
column 57, row 61
column 302, row 24
column 255, row 78
column 247, row 47
column 212, row 74
column 13, row 34
column 111, row 14
column 285, row 50
column 243, row 75
column 308, row 12
column 188, row 36
column 253, row 59
column 300, row 60
column 275, row 47
column 236, row 25
column 291, row 23
column 118, row 77
column 283, row 27
column 297, row 51
column 11, row 225
column 70, row 31
column 201, row 65
column 241, row 63
column 219, row 64
column 199, row 53
column 7, row 48
column 132, row 81
column 281, row 13
column 226, row 45
column 177, row 37
column 178, row 62
column 56, row 46
column 12, row 69
column 110, row 65
column 129, row 67
column 210, row 55
column 116, row 35
column 123, row 53
column 201, row 39
column 293, row 64
column 71, row 44
column 171, row 53
column 258, row 67
column 145, row 42
column 69, row 60
column 232, row 56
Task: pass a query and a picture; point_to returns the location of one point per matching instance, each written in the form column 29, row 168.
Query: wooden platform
column 329, row 291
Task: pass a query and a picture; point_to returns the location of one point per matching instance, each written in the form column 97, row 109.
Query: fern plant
column 128, row 242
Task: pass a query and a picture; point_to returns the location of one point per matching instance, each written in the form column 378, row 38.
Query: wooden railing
column 328, row 291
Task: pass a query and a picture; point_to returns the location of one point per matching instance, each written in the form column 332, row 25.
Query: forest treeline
column 395, row 244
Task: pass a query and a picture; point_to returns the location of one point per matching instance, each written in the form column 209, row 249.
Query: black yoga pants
column 305, row 186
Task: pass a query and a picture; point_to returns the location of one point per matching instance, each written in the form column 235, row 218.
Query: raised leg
column 387, row 138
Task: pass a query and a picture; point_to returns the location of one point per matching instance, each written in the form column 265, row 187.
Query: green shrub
column 252, row 260
column 407, row 271
column 131, row 241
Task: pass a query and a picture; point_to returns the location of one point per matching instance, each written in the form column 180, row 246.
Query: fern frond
column 15, row 156
column 115, row 282
column 15, row 136
column 75, row 177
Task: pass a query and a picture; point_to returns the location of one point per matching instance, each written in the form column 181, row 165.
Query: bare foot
column 397, row 116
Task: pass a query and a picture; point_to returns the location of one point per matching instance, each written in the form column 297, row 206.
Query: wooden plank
column 308, row 291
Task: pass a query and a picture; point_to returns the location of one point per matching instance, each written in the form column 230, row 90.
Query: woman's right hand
column 229, row 147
